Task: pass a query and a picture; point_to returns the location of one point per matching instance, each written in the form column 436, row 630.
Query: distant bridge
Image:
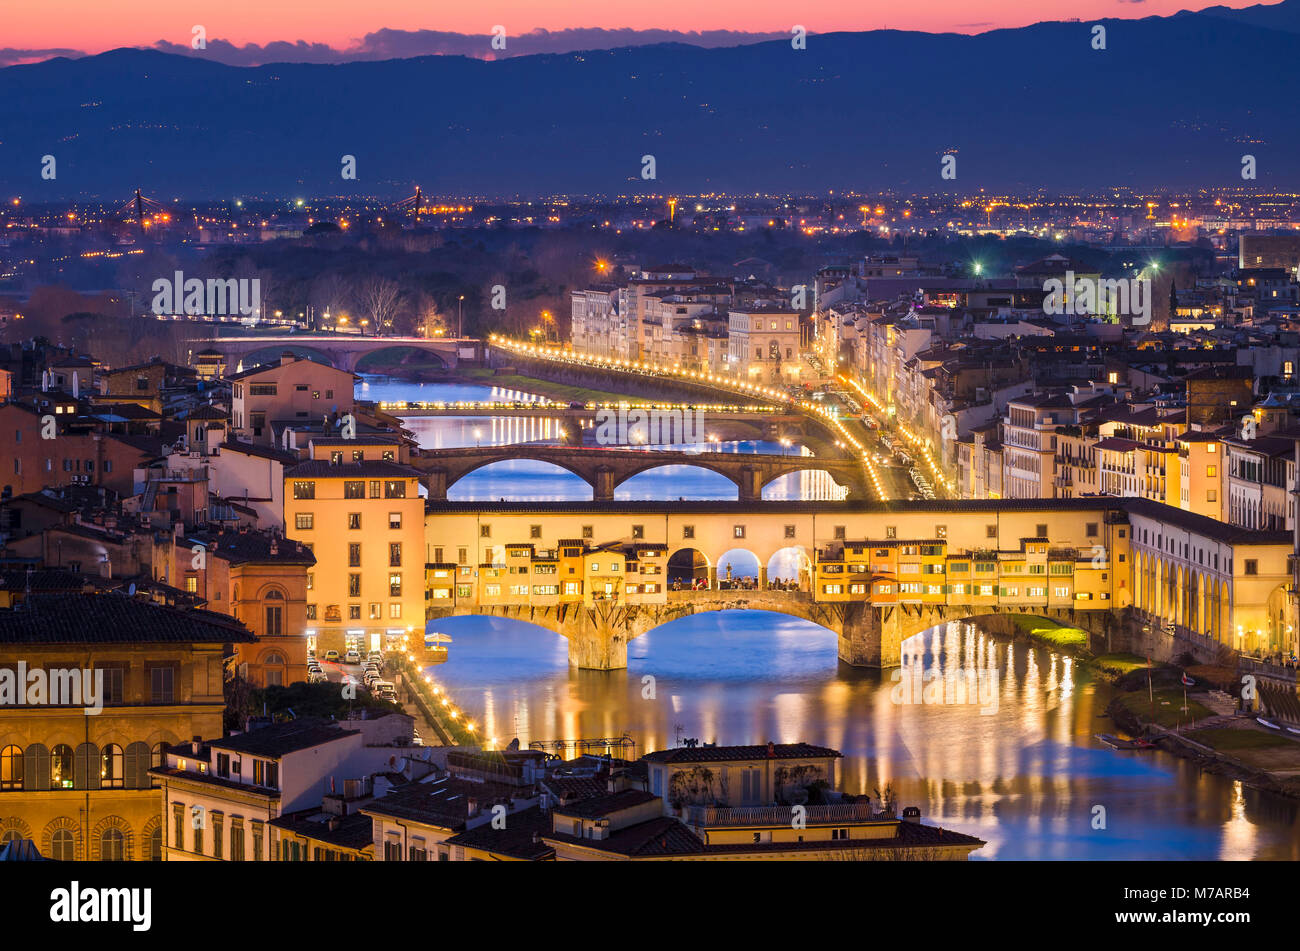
column 344, row 351
column 606, row 469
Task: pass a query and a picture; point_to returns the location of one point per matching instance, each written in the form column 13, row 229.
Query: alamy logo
column 77, row 904
column 1085, row 296
column 212, row 298
column 56, row 687
column 952, row 686
column 649, row 427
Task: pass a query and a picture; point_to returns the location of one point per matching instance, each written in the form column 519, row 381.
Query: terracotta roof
column 112, row 618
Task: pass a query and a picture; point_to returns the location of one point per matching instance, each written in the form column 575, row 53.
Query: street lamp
column 460, row 324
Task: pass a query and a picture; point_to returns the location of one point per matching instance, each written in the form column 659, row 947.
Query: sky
column 31, row 30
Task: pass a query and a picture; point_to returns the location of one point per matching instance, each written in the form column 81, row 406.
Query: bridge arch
column 791, row 565
column 405, row 349
column 689, row 567
column 774, row 489
column 271, row 354
column 627, row 489
column 507, row 462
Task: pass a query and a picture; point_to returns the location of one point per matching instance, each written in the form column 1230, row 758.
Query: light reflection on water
column 1025, row 776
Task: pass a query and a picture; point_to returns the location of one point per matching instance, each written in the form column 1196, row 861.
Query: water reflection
column 1013, row 760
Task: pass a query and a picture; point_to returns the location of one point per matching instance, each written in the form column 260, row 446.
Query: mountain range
column 1171, row 101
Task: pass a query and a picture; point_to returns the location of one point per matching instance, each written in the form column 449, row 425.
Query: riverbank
column 1236, row 747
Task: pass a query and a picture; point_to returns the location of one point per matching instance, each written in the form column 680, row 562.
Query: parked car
column 316, row 677
column 352, row 657
column 332, row 655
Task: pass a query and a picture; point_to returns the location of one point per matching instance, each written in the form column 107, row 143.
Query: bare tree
column 378, row 299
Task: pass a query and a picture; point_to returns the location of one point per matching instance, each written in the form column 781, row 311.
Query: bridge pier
column 870, row 636
column 750, row 484
column 437, row 484
column 603, row 485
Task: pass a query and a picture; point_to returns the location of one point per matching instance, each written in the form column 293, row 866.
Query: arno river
column 1012, row 759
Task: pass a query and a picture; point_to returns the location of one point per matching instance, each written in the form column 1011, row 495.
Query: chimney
column 771, row 750
column 195, row 743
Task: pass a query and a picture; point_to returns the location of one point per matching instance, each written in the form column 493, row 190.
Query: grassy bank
column 530, row 384
column 1049, row 632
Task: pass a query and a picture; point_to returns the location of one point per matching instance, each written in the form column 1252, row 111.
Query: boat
column 1115, row 743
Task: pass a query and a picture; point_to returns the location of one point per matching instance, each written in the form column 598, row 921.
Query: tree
column 378, row 299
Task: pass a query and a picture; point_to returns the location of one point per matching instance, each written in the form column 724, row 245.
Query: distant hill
column 1172, row 101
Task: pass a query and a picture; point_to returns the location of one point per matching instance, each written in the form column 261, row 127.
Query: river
column 1012, row 759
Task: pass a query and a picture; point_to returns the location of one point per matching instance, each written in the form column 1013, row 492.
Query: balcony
column 780, row 815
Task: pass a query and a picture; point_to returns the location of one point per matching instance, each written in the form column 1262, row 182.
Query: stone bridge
column 868, row 635
column 605, row 469
column 342, row 350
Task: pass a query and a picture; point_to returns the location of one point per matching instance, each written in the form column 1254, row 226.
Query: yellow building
column 364, row 522
column 73, row 779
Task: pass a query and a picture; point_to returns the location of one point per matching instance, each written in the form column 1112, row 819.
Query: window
column 1252, row 566
column 354, row 586
column 376, row 610
column 218, row 828
column 258, row 835
column 354, row 489
column 941, row 531
column 990, row 531
column 111, row 843
column 236, row 840
column 534, row 531
column 311, row 612
column 688, row 531
column 162, row 684
column 1090, row 529
column 11, row 768
column 840, row 532
column 354, row 521
column 738, row 531
column 395, row 554
column 304, row 490
column 111, row 768
column 336, row 458
column 484, row 531
column 61, row 768
column 395, row 489
column 354, row 554
column 395, row 610
column 638, row 531
column 395, row 586
column 891, row 531
column 1041, row 530
column 1211, row 495
column 304, row 521
column 790, row 531
column 63, row 845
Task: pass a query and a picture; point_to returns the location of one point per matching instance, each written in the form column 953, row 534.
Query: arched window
column 12, row 835
column 61, row 767
column 156, row 755
column 155, row 845
column 273, row 666
column 112, row 769
column 63, row 846
column 111, row 845
column 11, row 768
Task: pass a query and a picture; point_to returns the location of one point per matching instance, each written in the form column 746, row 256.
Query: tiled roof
column 516, row 840
column 599, row 806
column 281, row 738
column 442, row 802
column 660, row 836
column 112, row 618
column 354, row 831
